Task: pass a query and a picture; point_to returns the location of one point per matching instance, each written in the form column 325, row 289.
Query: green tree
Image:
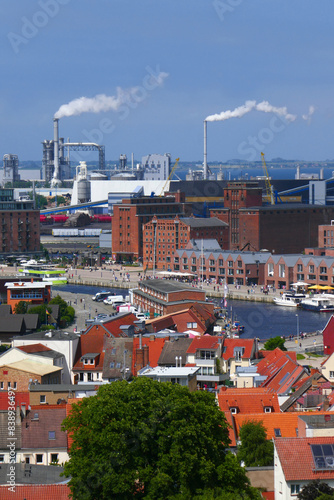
column 66, row 312
column 314, row 490
column 41, row 311
column 21, row 307
column 274, row 342
column 255, row 450
column 151, row 440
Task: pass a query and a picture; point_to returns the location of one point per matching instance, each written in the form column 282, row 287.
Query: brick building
column 19, row 375
column 19, row 225
column 162, row 297
column 282, row 228
column 326, row 235
column 162, row 237
column 129, row 216
column 211, row 262
column 283, row 270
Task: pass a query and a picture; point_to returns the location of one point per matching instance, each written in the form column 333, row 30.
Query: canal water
column 260, row 319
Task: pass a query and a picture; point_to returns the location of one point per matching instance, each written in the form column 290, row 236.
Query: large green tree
column 151, row 440
column 255, row 450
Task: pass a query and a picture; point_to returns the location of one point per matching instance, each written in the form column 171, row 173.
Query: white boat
column 289, row 299
column 44, row 272
column 318, row 303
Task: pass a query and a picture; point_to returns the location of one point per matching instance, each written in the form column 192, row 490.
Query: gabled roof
column 155, row 346
column 13, row 323
column 228, row 351
column 173, row 348
column 204, row 342
column 33, row 348
column 30, row 366
column 92, row 341
column 273, row 361
column 250, row 400
column 112, row 326
column 295, row 455
column 284, row 378
column 117, row 351
column 304, row 385
column 5, row 309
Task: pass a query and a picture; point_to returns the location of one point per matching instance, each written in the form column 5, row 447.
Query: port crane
column 170, row 176
column 269, row 188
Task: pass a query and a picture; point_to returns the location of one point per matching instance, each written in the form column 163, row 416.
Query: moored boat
column 317, row 303
column 44, row 272
column 289, row 299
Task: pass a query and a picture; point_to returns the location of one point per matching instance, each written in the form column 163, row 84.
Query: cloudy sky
column 160, row 67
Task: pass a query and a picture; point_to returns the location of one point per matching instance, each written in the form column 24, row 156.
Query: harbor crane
column 170, row 176
column 269, row 189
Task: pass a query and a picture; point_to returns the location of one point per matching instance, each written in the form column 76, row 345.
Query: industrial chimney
column 55, row 178
column 205, row 163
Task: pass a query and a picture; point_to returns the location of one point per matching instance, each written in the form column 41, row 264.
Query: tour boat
column 289, row 299
column 317, row 303
column 43, row 272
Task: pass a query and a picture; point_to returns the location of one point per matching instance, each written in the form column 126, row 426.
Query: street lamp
column 297, row 316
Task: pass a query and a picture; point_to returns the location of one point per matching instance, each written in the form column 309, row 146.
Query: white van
column 113, row 298
column 100, row 296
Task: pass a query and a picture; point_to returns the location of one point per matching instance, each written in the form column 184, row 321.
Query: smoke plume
column 102, row 102
column 240, row 111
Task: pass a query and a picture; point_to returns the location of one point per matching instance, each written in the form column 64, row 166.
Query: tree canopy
column 316, row 490
column 151, row 440
column 274, row 342
column 255, row 450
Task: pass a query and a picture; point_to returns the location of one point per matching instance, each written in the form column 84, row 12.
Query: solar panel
column 323, row 456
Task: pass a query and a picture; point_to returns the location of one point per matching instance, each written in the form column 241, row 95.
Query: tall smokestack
column 205, row 164
column 55, row 179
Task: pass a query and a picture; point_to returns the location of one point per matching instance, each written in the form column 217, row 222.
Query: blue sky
column 217, row 54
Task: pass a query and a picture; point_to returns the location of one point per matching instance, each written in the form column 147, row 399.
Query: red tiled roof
column 268, row 495
column 204, row 342
column 33, row 348
column 285, row 377
column 36, row 492
column 91, row 342
column 230, row 344
column 21, row 398
column 251, row 400
column 154, row 350
column 296, row 458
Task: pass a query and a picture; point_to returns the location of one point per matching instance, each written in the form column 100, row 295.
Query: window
column 54, row 458
column 42, row 399
column 112, row 365
column 300, row 268
column 8, row 385
column 1, row 385
column 191, row 325
column 90, row 377
column 295, row 489
column 311, row 269
column 2, row 459
column 39, row 459
column 267, row 409
column 230, row 263
column 281, row 270
column 277, row 433
column 52, row 434
column 15, row 385
column 234, row 410
column 323, row 270
column 331, row 374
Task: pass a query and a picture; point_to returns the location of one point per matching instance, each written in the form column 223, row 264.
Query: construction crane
column 170, row 176
column 269, row 188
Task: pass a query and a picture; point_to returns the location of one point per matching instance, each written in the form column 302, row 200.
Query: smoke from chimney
column 240, row 111
column 102, row 102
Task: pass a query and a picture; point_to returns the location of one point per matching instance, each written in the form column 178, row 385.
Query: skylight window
column 277, row 433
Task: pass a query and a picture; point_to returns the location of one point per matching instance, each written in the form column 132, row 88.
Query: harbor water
column 260, row 319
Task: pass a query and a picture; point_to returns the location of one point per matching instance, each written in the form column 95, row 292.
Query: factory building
column 10, row 169
column 156, row 167
column 48, row 161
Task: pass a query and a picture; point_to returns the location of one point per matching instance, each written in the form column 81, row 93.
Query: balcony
column 205, row 362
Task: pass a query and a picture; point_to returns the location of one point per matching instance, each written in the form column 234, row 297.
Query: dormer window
column 267, row 409
column 234, row 410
